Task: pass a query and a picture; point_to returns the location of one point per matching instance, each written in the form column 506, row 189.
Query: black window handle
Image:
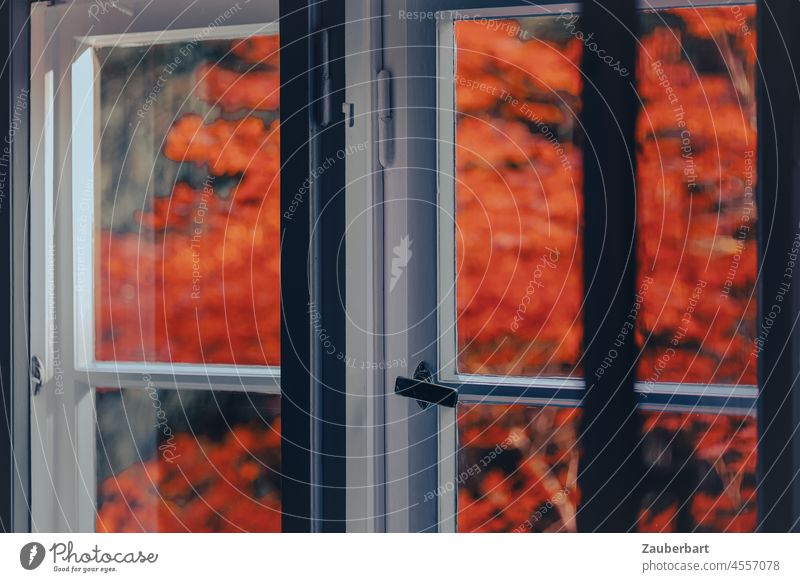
column 422, row 389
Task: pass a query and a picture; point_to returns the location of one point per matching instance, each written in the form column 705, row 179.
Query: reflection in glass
column 187, row 461
column 697, row 213
column 518, row 469
column 702, row 473
column 187, row 251
column 518, row 196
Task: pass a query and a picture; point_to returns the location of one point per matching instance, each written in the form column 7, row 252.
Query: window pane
column 702, row 473
column 696, row 165
column 187, row 460
column 187, row 261
column 517, row 468
column 518, row 197
column 518, row 471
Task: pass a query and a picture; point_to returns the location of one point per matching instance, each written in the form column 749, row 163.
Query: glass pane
column 702, row 474
column 697, row 214
column 187, row 260
column 518, row 471
column 518, row 197
column 187, row 460
column 517, row 468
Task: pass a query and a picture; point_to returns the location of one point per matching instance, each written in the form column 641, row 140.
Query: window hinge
column 384, row 107
column 323, row 78
column 37, row 374
column 349, row 110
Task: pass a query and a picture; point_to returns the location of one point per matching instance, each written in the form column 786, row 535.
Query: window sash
column 85, row 93
column 540, row 390
column 62, row 415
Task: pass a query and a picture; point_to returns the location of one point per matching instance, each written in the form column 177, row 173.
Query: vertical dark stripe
column 14, row 404
column 296, row 381
column 778, row 192
column 6, row 296
column 330, row 231
column 312, row 266
column 610, row 467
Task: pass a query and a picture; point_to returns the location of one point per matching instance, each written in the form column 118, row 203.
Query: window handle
column 422, row 389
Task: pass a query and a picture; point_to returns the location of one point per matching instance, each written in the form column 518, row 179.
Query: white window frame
column 365, row 402
column 63, row 149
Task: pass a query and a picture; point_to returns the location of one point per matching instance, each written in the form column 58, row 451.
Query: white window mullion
column 182, row 376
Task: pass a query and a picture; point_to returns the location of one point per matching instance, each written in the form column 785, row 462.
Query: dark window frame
column 779, row 368
column 778, row 198
column 14, row 385
column 312, row 386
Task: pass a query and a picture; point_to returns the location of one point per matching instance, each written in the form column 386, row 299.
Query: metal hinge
column 36, row 373
column 385, row 124
column 349, row 110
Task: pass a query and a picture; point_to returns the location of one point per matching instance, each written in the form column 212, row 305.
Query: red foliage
column 209, row 487
column 723, row 465
column 518, row 206
column 199, row 283
column 531, row 484
column 519, row 196
column 518, row 200
column 523, row 464
column 253, row 90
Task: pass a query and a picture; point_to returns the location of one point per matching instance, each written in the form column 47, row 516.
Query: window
column 518, row 296
column 187, row 460
column 511, row 271
column 189, row 203
column 517, row 96
column 457, row 243
column 518, row 468
column 163, row 275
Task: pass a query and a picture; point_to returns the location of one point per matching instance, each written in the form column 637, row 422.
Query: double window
column 156, row 243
